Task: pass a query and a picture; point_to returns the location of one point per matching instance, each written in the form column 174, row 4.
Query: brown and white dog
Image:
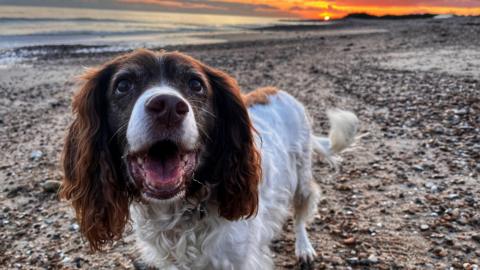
column 206, row 174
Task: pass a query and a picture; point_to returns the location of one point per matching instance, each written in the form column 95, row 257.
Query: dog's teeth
column 139, row 160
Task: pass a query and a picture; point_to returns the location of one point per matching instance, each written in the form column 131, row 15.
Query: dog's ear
column 92, row 180
column 235, row 158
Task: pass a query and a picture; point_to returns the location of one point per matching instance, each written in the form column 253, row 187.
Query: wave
column 9, row 57
column 79, row 19
column 11, row 20
column 109, row 33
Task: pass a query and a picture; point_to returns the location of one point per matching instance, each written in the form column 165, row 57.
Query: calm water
column 24, row 29
column 23, row 26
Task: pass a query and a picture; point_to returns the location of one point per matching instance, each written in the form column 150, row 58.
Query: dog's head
column 144, row 125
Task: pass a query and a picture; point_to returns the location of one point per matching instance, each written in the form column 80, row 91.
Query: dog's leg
column 305, row 206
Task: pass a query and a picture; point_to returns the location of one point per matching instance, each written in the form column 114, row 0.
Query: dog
column 207, row 174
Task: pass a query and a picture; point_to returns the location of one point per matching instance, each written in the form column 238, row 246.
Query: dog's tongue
column 163, row 172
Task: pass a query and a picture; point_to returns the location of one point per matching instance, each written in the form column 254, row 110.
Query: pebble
column 335, row 260
column 461, row 111
column 350, row 241
column 372, row 259
column 424, row 227
column 454, row 120
column 433, row 188
column 36, row 155
column 476, row 237
column 453, row 196
column 440, row 252
column 79, row 261
column 353, row 261
column 418, row 168
column 343, row 187
column 74, row 227
column 48, row 221
column 51, row 186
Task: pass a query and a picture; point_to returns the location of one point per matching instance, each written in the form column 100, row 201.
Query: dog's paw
column 306, row 265
column 305, row 253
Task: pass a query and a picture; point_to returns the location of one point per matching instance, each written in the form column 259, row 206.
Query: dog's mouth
column 162, row 170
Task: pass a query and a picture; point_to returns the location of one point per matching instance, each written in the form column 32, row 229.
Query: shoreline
column 284, row 33
column 98, row 45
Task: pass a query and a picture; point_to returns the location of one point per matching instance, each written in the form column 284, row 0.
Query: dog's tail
column 343, row 128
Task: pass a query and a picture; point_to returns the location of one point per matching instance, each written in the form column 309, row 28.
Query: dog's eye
column 195, row 85
column 124, row 86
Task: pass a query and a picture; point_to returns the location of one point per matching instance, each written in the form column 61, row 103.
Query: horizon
column 323, row 10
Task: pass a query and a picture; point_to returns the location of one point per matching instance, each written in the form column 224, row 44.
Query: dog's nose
column 169, row 110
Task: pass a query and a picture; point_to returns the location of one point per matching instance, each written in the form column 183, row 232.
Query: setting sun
column 309, row 9
column 326, row 18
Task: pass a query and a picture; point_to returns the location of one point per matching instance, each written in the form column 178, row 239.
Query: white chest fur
column 178, row 237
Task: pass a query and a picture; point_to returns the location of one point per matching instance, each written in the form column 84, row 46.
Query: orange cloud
column 318, row 9
column 340, row 8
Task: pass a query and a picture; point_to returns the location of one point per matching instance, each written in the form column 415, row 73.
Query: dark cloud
column 215, row 7
column 191, row 6
column 300, row 9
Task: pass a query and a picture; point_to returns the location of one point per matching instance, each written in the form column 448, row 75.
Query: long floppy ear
column 92, row 170
column 237, row 164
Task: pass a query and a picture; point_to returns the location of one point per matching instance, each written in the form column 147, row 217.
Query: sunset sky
column 289, row 8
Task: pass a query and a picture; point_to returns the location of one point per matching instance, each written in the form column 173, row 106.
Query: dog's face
column 160, row 108
column 144, row 124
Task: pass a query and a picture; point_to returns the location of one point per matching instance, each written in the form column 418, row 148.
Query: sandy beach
column 407, row 195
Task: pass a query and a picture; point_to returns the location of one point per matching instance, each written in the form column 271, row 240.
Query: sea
column 27, row 30
column 26, row 26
